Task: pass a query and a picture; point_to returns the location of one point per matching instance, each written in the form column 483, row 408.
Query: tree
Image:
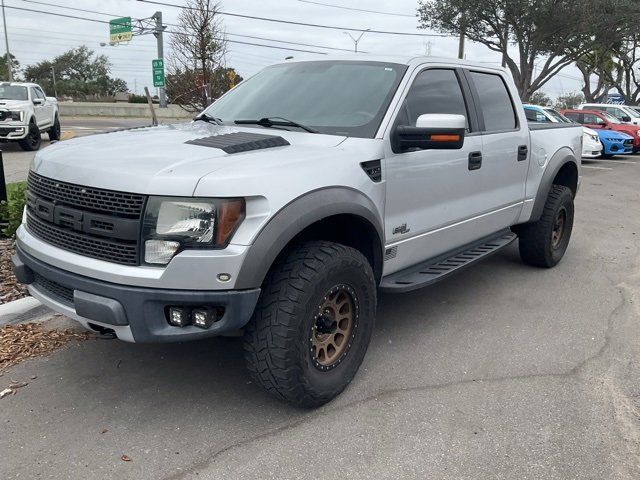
column 569, row 100
column 196, row 68
column 540, row 98
column 549, row 34
column 4, row 70
column 79, row 73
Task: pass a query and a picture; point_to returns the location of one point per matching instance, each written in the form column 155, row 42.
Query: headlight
column 173, row 224
column 16, row 116
column 595, row 138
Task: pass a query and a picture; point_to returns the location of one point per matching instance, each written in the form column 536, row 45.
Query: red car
column 602, row 120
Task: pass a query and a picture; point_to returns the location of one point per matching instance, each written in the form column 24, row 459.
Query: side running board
column 434, row 270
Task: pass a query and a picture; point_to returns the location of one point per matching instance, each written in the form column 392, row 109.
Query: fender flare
column 558, row 160
column 294, row 218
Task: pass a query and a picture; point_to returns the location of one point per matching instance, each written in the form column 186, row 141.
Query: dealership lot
column 504, row 371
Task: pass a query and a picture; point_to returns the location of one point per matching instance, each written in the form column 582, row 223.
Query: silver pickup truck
column 289, row 203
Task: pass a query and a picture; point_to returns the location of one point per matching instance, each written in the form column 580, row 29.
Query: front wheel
column 313, row 323
column 33, row 139
column 54, row 131
column 543, row 243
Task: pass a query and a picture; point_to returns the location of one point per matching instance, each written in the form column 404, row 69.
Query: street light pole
column 356, row 40
column 158, row 34
column 53, row 75
column 6, row 39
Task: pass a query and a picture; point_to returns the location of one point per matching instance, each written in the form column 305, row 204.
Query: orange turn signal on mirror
column 445, row 138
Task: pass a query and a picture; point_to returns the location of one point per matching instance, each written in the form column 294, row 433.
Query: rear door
column 505, row 149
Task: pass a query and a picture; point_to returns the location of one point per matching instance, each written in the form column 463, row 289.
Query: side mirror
column 38, row 101
column 626, row 118
column 432, row 131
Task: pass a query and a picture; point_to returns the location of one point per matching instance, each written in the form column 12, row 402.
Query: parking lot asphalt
column 16, row 161
column 504, row 371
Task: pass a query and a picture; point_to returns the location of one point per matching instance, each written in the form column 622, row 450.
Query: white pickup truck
column 25, row 113
column 289, row 203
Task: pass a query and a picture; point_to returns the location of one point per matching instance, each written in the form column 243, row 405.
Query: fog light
column 179, row 317
column 203, row 317
column 159, row 251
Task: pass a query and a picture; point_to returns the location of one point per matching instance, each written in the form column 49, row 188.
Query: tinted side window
column 591, row 119
column 495, row 101
column 573, row 116
column 435, row 91
column 40, row 93
column 531, row 115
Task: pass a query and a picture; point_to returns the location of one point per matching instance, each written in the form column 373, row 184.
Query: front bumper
column 13, row 132
column 135, row 314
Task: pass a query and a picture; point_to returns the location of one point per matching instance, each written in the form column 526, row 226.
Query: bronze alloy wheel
column 334, row 327
column 558, row 228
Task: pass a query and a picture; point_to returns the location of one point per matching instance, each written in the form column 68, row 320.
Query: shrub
column 11, row 210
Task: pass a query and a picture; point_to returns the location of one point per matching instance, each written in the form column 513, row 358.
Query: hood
column 626, row 128
column 158, row 161
column 589, row 131
column 14, row 104
column 613, row 134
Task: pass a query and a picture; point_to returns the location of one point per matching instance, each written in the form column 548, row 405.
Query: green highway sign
column 120, row 30
column 157, row 66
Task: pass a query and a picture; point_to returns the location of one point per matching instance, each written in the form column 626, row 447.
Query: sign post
column 157, row 66
column 120, row 30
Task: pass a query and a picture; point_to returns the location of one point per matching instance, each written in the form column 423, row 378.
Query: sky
column 35, row 36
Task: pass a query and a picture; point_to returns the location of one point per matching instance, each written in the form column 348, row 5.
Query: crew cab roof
column 19, row 84
column 410, row 60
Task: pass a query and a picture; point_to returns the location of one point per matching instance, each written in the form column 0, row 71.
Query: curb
column 21, row 310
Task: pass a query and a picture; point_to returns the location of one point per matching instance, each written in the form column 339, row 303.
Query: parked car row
column 604, row 134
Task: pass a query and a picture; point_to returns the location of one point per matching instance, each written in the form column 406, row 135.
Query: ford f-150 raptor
column 26, row 113
column 285, row 206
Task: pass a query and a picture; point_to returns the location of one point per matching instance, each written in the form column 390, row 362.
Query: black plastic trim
column 143, row 308
column 240, row 142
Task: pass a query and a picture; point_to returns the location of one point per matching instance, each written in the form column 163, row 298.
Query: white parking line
column 596, row 168
column 619, row 161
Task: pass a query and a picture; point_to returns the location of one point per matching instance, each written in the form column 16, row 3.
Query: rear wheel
column 313, row 323
column 543, row 243
column 32, row 140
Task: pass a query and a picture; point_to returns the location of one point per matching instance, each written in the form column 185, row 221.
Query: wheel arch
column 561, row 170
column 338, row 214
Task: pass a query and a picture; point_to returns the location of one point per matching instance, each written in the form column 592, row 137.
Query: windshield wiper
column 204, row 117
column 275, row 122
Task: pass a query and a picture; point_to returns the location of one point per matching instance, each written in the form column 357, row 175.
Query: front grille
column 92, row 222
column 58, row 292
column 125, row 253
column 104, row 201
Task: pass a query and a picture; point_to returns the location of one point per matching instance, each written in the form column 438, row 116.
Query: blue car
column 615, row 143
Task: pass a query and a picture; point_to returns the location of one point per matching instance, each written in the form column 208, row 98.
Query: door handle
column 475, row 160
column 523, row 150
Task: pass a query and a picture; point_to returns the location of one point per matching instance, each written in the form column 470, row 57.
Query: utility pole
column 6, row 39
column 356, row 40
column 53, row 74
column 158, row 34
column 463, row 31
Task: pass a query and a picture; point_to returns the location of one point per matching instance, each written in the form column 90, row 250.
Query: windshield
column 13, row 92
column 630, row 111
column 333, row 97
column 557, row 115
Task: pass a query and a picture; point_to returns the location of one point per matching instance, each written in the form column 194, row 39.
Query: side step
column 441, row 267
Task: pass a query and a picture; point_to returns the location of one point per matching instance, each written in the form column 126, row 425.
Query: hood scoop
column 240, row 142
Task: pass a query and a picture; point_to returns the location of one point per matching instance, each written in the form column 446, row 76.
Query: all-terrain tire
column 55, row 132
column 541, row 244
column 278, row 341
column 33, row 140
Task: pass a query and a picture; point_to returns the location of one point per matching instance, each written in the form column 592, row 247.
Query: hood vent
column 240, row 142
